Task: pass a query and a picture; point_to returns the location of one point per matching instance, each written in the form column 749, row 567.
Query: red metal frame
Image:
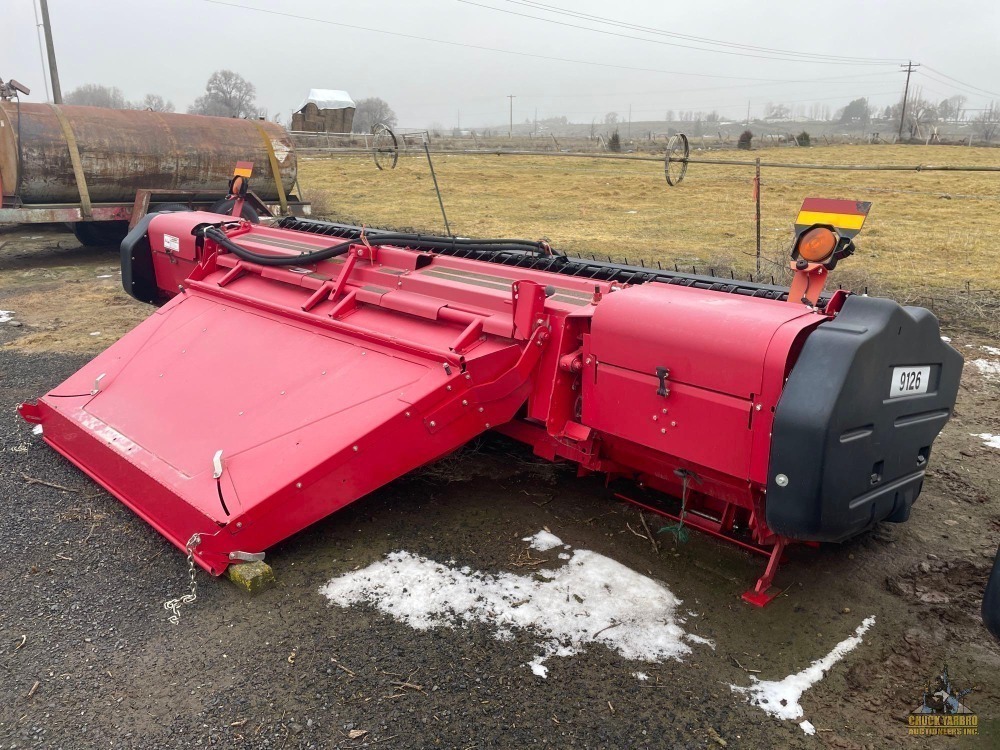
column 261, row 399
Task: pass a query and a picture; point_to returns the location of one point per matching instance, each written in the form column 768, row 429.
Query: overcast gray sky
column 170, row 47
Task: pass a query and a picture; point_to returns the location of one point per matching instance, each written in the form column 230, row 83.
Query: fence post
column 756, row 198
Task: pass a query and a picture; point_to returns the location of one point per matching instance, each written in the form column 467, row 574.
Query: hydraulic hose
column 219, row 237
column 415, row 241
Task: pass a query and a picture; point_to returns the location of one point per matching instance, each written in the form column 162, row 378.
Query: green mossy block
column 251, row 577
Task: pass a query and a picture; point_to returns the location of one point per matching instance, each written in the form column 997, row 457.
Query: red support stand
column 759, row 596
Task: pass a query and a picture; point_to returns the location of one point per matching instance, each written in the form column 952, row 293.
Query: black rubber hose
column 220, row 238
column 435, row 243
column 439, row 241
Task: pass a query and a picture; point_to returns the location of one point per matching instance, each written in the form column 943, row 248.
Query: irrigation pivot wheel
column 385, row 147
column 675, row 163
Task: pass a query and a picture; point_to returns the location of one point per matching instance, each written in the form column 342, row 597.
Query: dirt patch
column 62, row 297
column 951, row 589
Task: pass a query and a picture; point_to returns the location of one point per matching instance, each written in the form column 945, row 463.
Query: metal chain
column 174, row 605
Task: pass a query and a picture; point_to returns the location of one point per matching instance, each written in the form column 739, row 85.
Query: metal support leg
column 759, row 595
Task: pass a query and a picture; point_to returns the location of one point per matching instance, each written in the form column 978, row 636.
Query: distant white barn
column 325, row 111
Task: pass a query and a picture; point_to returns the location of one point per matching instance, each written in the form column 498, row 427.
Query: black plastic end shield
column 138, row 276
column 991, row 600
column 846, row 452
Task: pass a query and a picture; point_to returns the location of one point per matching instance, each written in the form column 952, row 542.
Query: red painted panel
column 836, row 206
column 696, row 425
column 706, row 339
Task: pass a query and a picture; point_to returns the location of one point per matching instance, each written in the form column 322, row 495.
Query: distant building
column 325, row 111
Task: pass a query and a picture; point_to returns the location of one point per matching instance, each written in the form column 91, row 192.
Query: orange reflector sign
column 243, row 169
column 847, row 217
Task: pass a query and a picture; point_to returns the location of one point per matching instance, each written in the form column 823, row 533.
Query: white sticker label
column 909, row 381
column 171, row 243
column 281, row 150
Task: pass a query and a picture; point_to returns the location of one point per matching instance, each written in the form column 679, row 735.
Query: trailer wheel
column 226, row 207
column 171, row 208
column 100, row 233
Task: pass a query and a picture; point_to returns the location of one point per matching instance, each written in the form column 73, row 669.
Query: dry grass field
column 928, row 234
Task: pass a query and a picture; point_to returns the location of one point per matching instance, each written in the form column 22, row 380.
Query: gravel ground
column 89, row 659
column 86, row 580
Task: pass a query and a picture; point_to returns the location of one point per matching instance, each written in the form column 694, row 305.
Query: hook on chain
column 174, row 605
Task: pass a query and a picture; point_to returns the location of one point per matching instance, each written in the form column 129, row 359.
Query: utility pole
column 510, row 129
column 53, row 70
column 906, row 92
column 748, row 113
column 41, row 50
column 534, row 128
column 629, row 133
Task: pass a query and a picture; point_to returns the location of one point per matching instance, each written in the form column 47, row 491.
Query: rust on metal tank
column 124, row 150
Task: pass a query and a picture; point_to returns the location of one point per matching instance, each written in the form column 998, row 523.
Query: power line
column 668, row 44
column 465, row 45
column 704, row 40
column 707, row 40
column 966, row 85
column 954, row 86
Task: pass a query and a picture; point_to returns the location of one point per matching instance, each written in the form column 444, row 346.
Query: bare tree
column 987, row 122
column 95, row 95
column 777, row 111
column 371, row 111
column 919, row 112
column 227, row 94
column 156, row 103
column 611, row 118
column 951, row 108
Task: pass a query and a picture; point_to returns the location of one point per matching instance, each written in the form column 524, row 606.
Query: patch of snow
column 641, row 676
column 991, row 350
column 700, row 641
column 6, row 316
column 537, row 668
column 807, row 726
column 946, row 339
column 990, row 441
column 108, row 276
column 36, row 430
column 564, row 556
column 988, row 367
column 591, row 599
column 95, row 333
column 781, row 698
column 543, row 541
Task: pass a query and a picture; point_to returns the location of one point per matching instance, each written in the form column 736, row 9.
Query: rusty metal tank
column 124, row 150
